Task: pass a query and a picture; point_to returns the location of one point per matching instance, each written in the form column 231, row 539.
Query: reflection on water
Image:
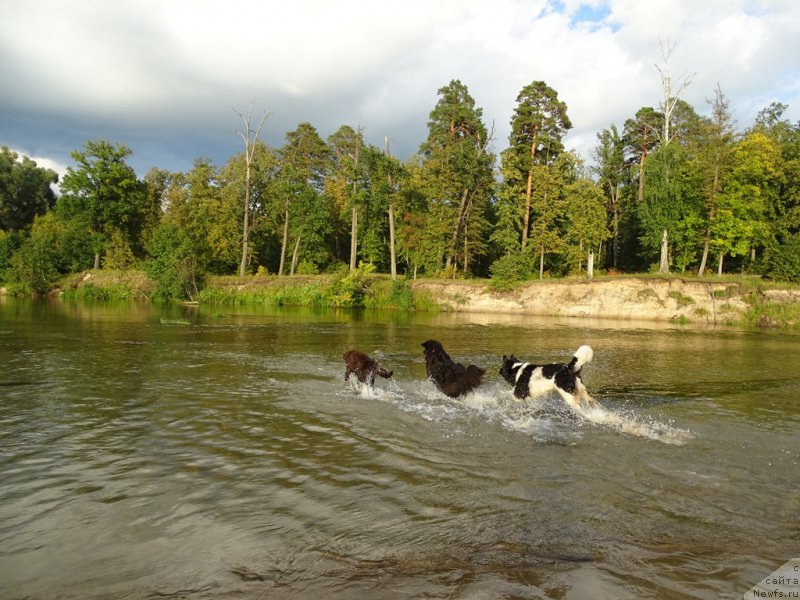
column 202, row 454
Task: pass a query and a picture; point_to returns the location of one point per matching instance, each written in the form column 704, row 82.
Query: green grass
column 349, row 291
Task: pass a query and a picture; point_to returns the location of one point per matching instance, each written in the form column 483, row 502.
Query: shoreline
column 749, row 301
column 654, row 299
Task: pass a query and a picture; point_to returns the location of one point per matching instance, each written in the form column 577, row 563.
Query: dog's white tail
column 582, row 355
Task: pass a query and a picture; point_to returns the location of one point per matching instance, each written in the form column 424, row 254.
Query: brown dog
column 363, row 366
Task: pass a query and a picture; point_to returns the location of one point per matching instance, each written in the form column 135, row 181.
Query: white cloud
column 162, row 75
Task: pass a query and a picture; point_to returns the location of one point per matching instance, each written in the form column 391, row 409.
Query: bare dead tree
column 671, row 96
column 250, row 138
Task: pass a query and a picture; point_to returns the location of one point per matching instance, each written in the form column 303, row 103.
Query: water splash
column 546, row 419
column 632, row 424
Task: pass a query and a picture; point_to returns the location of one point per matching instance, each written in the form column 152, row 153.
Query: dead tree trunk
column 250, row 137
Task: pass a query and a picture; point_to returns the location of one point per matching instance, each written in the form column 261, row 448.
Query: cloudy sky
column 163, row 76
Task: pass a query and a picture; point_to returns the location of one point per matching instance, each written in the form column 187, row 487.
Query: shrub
column 36, row 265
column 350, row 289
column 172, row 265
column 511, row 269
column 783, row 263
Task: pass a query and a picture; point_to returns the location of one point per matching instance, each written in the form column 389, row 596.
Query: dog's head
column 432, row 347
column 507, row 370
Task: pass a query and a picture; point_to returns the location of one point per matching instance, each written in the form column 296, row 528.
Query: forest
column 669, row 190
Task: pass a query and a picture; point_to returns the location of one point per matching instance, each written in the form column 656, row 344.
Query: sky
column 165, row 77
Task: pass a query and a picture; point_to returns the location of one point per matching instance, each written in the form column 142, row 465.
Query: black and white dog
column 535, row 380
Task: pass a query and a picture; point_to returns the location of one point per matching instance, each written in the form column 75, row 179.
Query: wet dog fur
column 363, row 367
column 529, row 379
column 451, row 378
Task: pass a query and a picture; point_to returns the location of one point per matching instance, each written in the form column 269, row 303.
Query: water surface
column 204, row 453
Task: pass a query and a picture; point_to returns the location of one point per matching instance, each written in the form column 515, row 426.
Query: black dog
column 364, row 367
column 535, row 380
column 452, row 379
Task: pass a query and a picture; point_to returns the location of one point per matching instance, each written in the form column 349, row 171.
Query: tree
column 612, row 172
column 586, row 226
column 746, row 206
column 770, row 122
column 102, row 192
column 538, row 125
column 668, row 105
column 197, row 205
column 641, row 138
column 342, row 184
column 237, row 175
column 671, row 94
column 305, row 161
column 714, row 161
column 25, row 191
column 458, row 168
column 671, row 204
column 250, row 139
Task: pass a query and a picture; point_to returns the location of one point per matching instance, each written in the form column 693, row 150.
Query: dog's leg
column 570, row 399
column 583, row 394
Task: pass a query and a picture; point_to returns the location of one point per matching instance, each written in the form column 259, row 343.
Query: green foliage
column 9, row 242
column 349, row 290
column 457, row 177
column 721, row 196
column 672, row 203
column 783, row 262
column 25, row 191
column 395, row 294
column 102, row 192
column 305, row 267
column 37, row 264
column 511, row 269
column 172, row 266
column 118, row 252
column 95, row 293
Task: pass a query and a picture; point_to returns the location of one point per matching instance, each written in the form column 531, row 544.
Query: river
column 216, row 452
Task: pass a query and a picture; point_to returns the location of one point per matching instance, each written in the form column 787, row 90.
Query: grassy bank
column 768, row 304
column 355, row 290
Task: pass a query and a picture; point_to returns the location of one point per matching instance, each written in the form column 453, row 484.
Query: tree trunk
column 529, row 190
column 590, row 265
column 294, row 256
column 711, row 216
column 704, row 259
column 96, row 260
column 719, row 268
column 285, row 241
column 454, row 240
column 640, row 192
column 392, row 257
column 249, row 154
column 615, row 221
column 541, row 264
column 354, row 220
column 354, row 239
column 664, row 265
column 246, row 224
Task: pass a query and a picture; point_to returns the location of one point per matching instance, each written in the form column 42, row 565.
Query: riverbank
column 711, row 301
column 636, row 298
